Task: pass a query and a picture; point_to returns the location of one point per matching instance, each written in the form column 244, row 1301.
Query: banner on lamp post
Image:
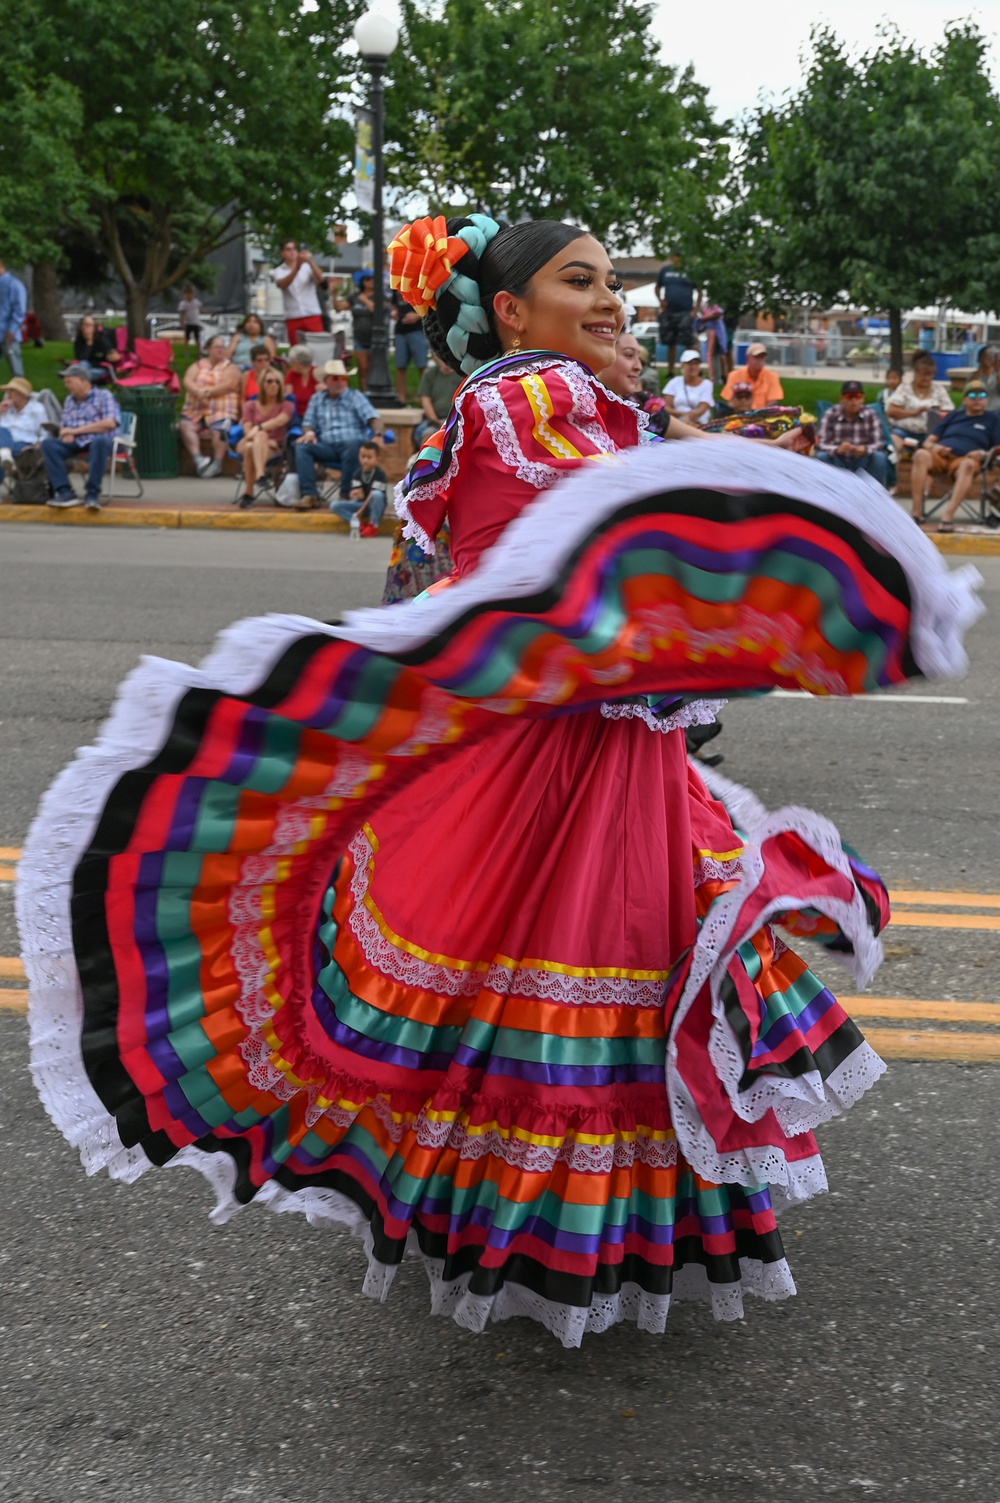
column 364, row 160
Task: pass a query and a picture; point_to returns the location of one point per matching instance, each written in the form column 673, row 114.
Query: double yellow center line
column 911, row 909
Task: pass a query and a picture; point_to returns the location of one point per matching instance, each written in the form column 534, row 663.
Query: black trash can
column 156, row 452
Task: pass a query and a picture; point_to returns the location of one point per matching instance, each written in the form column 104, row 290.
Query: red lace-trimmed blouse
column 518, row 433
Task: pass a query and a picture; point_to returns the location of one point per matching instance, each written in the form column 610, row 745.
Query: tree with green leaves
column 151, row 140
column 562, row 111
column 879, row 180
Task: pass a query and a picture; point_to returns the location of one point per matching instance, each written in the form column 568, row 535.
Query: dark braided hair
column 507, row 265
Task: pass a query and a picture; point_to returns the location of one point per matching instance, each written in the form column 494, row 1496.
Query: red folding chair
column 152, row 365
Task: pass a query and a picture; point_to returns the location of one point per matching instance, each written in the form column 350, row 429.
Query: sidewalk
column 188, row 502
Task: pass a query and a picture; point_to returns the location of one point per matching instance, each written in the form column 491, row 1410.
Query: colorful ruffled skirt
column 424, row 926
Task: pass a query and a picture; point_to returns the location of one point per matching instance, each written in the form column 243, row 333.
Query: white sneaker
column 202, row 465
column 64, row 501
column 213, row 469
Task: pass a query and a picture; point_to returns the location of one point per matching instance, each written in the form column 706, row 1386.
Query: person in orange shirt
column 767, row 389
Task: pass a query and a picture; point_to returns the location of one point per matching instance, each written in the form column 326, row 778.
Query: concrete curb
column 983, row 544
column 138, row 516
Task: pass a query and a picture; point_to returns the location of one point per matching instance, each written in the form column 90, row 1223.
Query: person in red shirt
column 767, row 389
column 300, row 380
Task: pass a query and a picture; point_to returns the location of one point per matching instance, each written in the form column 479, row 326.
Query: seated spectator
column 300, row 382
column 90, row 421
column 917, row 403
column 369, row 489
column 189, row 313
column 249, row 333
column 438, row 386
column 690, row 396
column 850, row 435
column 410, row 342
column 211, row 405
column 623, row 376
column 266, row 418
column 337, row 423
column 893, row 377
column 767, row 388
column 989, row 374
column 956, row 448
column 260, row 360
column 95, row 347
column 22, row 420
column 741, row 397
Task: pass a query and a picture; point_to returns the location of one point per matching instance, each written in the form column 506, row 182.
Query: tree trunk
column 136, row 303
column 45, row 288
column 896, row 338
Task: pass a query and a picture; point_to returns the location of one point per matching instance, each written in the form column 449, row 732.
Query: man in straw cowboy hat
column 337, row 422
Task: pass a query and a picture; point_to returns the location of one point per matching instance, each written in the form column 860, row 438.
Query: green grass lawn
column 42, row 366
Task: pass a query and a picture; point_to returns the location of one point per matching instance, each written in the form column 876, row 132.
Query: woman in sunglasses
column 265, row 430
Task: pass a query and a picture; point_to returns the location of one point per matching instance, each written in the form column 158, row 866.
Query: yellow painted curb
column 226, row 521
column 77, row 516
column 966, row 542
column 248, row 521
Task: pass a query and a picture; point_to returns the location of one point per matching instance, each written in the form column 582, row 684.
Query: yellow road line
column 917, row 1044
column 8, row 873
column 931, row 1044
column 10, row 853
column 904, row 919
column 937, row 899
column 902, row 1007
column 11, row 968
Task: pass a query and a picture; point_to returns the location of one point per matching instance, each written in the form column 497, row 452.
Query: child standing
column 189, row 309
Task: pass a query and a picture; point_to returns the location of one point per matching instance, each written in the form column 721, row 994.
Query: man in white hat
column 22, row 415
column 337, row 422
column 767, row 389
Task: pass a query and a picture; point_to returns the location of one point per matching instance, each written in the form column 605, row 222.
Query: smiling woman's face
column 572, row 305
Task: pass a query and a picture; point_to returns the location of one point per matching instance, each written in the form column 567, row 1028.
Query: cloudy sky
column 739, row 48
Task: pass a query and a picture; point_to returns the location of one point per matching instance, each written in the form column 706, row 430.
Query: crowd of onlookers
column 913, row 417
column 244, row 398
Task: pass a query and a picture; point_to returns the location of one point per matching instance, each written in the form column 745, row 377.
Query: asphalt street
column 150, row 1358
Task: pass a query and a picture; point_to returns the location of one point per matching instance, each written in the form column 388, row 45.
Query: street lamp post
column 376, row 35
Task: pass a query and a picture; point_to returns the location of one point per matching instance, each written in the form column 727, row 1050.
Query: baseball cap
column 19, row 383
column 851, row 389
column 975, row 388
column 757, row 349
column 690, row 355
column 743, row 389
column 78, row 368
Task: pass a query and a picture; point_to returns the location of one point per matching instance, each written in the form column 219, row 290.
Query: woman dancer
column 422, row 924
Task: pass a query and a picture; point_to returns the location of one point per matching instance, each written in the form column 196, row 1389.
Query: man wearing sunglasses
column 956, row 449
